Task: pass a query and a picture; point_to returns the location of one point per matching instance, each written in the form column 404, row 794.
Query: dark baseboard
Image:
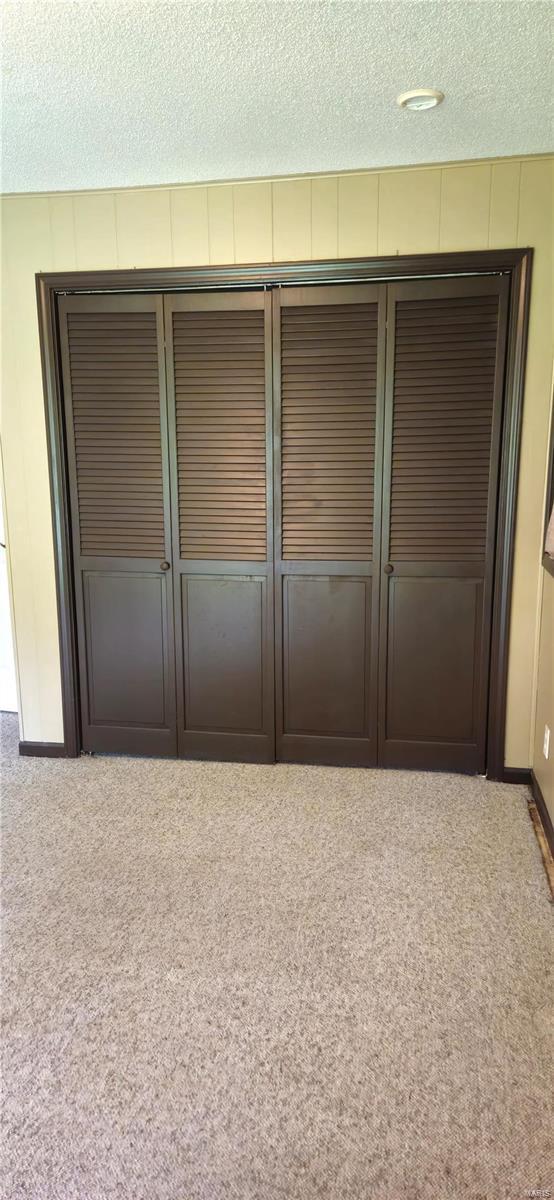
column 546, row 820
column 43, row 749
column 516, row 775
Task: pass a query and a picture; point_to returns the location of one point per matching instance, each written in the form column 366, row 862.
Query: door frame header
column 516, row 263
column 270, row 275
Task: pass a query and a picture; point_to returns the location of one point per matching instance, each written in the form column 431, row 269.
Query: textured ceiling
column 115, row 93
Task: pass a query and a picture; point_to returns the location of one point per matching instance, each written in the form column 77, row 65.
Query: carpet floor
column 234, row 982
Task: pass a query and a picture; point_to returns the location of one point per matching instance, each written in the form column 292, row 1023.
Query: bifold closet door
column 219, row 377
column 445, row 367
column 328, row 373
column 116, row 427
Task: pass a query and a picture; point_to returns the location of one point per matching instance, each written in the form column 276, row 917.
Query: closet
column 283, row 511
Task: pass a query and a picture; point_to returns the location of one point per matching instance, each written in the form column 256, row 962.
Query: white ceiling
column 121, row 93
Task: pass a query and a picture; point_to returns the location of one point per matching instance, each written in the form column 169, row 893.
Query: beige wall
column 456, row 207
column 544, row 770
column 544, row 709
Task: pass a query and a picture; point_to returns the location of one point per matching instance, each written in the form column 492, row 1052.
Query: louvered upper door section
column 329, row 379
column 220, row 369
column 446, row 373
column 112, row 368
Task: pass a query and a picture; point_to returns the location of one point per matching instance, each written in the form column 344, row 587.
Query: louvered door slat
column 219, row 369
column 328, row 384
column 114, row 373
column 438, row 442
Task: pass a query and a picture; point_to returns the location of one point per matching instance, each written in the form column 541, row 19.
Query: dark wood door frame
column 514, row 263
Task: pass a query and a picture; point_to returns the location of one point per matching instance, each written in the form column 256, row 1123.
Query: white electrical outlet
column 546, row 743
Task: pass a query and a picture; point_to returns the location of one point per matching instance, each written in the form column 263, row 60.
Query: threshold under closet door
column 329, row 364
column 445, row 375
column 219, row 373
column 116, row 427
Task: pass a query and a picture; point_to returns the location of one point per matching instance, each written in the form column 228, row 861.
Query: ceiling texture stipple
column 120, row 94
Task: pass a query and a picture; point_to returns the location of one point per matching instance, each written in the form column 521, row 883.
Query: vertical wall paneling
column 535, row 228
column 143, row 228
column 62, row 225
column 358, row 200
column 221, row 225
column 27, row 242
column 325, row 224
column 189, row 226
column 409, row 206
column 292, row 235
column 544, row 768
column 16, row 514
column 504, row 204
column 95, row 231
column 252, row 204
column 465, row 206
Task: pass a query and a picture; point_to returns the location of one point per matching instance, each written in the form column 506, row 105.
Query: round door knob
column 164, row 566
column 388, row 568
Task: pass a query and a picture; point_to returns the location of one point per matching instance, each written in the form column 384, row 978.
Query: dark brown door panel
column 325, row 624
column 326, row 669
column 219, row 402
column 445, row 374
column 328, row 420
column 228, row 707
column 130, row 700
column 434, row 663
column 116, row 427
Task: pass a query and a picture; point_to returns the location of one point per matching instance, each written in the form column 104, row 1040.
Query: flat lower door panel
column 227, row 691
column 326, row 669
column 219, row 370
column 434, row 665
column 130, row 704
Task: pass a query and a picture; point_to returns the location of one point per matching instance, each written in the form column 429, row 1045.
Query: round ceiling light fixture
column 419, row 99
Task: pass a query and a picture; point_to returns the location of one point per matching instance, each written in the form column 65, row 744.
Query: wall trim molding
column 42, row 750
column 520, row 775
column 546, row 820
column 516, row 263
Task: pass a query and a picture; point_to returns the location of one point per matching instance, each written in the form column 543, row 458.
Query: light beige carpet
column 230, row 982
